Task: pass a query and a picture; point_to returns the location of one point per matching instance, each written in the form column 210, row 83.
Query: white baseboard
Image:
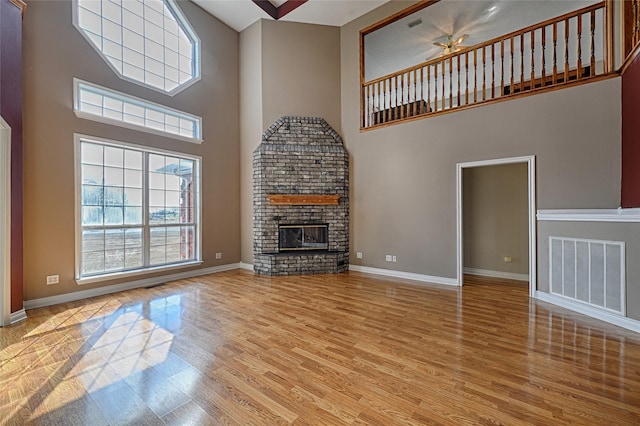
column 247, row 266
column 18, row 316
column 100, row 291
column 624, row 322
column 405, row 275
column 497, row 274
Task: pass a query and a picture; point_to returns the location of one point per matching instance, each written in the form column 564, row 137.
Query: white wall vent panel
column 588, row 271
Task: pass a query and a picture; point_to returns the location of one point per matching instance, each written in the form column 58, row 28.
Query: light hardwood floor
column 235, row 348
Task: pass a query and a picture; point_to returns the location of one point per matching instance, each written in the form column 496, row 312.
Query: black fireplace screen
column 303, row 237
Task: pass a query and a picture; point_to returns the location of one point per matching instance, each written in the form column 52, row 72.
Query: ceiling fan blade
column 437, row 43
column 460, row 39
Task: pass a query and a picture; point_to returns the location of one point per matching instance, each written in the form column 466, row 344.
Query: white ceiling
column 239, row 14
column 396, row 46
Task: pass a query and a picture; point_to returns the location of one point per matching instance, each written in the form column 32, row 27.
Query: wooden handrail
column 402, row 94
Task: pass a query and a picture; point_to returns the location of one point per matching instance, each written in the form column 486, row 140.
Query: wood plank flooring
column 235, row 348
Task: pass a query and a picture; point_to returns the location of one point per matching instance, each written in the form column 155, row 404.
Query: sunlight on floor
column 82, row 351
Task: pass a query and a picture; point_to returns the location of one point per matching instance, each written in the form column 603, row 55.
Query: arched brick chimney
column 300, row 178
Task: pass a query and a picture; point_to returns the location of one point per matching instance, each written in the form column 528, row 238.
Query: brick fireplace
column 300, row 181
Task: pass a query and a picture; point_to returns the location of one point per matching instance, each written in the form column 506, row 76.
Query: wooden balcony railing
column 563, row 50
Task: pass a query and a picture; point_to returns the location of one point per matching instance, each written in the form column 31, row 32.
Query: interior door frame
column 531, row 183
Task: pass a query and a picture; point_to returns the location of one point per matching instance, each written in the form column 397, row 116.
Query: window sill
column 135, row 272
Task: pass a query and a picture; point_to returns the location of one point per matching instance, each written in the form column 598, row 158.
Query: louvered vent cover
column 588, row 271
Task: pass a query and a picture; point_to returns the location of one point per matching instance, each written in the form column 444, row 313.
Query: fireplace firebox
column 303, row 237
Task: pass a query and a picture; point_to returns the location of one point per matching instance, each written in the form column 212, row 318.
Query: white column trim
column 5, row 223
column 590, row 215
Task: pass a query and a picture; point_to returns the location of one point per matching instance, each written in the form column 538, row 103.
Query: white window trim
column 139, row 101
column 183, row 22
column 77, row 138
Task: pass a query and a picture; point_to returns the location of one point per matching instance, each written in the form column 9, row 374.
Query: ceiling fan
column 452, row 45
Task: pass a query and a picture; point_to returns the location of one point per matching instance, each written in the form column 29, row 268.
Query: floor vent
column 588, row 271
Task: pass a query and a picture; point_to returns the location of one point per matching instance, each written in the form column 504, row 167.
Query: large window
column 145, row 41
column 137, row 209
column 101, row 104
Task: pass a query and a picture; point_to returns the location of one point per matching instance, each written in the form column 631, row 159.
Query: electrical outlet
column 218, row 255
column 53, row 279
column 359, row 255
column 507, row 259
column 388, row 258
column 394, row 259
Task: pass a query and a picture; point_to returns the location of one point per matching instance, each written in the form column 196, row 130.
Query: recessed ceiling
column 239, row 14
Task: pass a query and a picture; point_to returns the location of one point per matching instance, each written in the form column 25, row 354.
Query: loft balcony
column 569, row 49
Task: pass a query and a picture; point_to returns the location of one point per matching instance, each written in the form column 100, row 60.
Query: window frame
column 181, row 21
column 148, row 105
column 106, row 276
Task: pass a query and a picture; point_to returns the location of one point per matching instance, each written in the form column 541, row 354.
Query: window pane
column 133, row 238
column 157, row 255
column 92, row 262
column 172, row 215
column 133, row 215
column 114, row 238
column 92, row 154
column 114, row 260
column 133, row 197
column 113, row 176
column 157, row 249
column 92, row 174
column 157, row 215
column 92, row 216
column 156, row 180
column 113, row 215
column 173, row 235
column 133, row 178
column 173, row 254
column 158, row 236
column 92, row 195
column 187, row 242
column 93, row 240
column 133, row 258
column 133, row 160
column 113, row 196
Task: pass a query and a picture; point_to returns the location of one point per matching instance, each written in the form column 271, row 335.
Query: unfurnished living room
column 257, row 212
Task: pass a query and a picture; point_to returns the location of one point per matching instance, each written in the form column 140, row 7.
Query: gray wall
column 54, row 53
column 251, row 129
column 299, row 70
column 496, row 218
column 404, row 176
column 627, row 232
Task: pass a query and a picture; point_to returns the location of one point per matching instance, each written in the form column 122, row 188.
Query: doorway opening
column 529, row 161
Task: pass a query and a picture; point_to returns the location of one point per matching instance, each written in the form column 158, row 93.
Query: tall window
column 138, row 208
column 145, row 41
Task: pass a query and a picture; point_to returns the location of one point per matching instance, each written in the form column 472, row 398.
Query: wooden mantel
column 303, row 199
